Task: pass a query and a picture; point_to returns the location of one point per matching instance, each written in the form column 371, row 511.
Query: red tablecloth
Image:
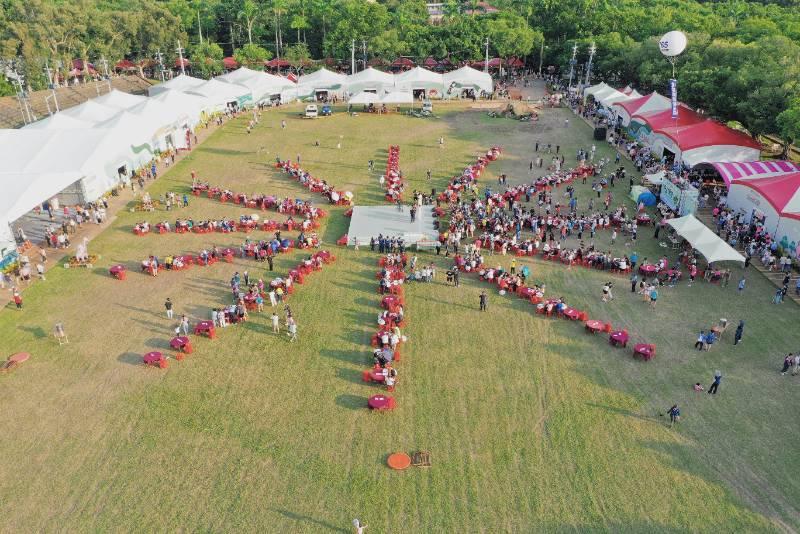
column 594, row 325
column 179, row 342
column 153, row 357
column 644, row 349
column 377, row 375
column 379, row 402
column 19, row 357
column 116, row 269
column 572, row 313
column 649, row 269
column 619, row 337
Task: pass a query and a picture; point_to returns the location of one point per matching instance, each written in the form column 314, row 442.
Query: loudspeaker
column 600, row 134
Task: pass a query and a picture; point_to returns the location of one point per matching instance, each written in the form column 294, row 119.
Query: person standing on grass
column 739, row 331
column 483, row 301
column 276, row 323
column 674, row 414
column 634, row 281
column 740, row 288
column 653, row 296
column 185, row 325
column 360, row 529
column 787, row 362
column 291, row 324
column 715, row 385
column 168, row 307
column 17, row 298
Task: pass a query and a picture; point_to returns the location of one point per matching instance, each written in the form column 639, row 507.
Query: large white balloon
column 673, row 43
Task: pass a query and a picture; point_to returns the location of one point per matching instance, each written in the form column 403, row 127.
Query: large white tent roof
column 706, row 242
column 322, row 79
column 260, row 84
column 398, row 97
column 181, row 82
column 466, row 76
column 138, row 129
column 364, row 97
column 419, row 78
column 158, row 113
column 119, row 99
column 219, row 92
column 370, row 78
column 59, row 121
column 90, row 111
column 187, row 104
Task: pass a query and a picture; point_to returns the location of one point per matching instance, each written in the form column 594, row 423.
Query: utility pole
column 592, row 50
column 180, row 53
column 104, row 63
column 486, row 62
column 353, row 57
column 199, row 28
column 364, row 51
column 22, row 97
column 160, row 58
column 50, row 83
column 541, row 57
column 572, row 63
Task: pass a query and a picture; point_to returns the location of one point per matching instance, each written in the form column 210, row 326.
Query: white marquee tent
column 420, row 79
column 262, row 86
column 598, row 91
column 625, row 109
column 364, row 97
column 119, row 99
column 59, row 121
column 322, row 80
column 220, row 94
column 370, row 80
column 702, row 239
column 467, row 77
column 182, row 82
column 398, row 97
column 90, row 111
column 191, row 106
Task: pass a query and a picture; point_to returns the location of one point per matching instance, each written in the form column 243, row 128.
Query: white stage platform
column 369, row 221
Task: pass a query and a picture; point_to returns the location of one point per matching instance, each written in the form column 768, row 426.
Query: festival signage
column 673, row 94
column 670, row 195
column 688, row 202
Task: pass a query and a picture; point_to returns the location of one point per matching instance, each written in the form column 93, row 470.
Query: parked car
column 311, row 111
column 326, row 111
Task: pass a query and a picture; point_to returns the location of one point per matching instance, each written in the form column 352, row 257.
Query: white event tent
column 90, row 111
column 59, row 121
column 364, row 97
column 398, row 97
column 625, row 109
column 191, row 106
column 598, row 91
column 221, row 94
column 181, row 82
column 468, row 78
column 262, row 86
column 702, row 239
column 321, row 81
column 119, row 99
column 371, row 80
column 419, row 79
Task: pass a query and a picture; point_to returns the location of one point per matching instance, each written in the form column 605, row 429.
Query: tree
column 298, row 55
column 251, row 55
column 207, row 59
column 249, row 14
column 789, row 125
column 509, row 35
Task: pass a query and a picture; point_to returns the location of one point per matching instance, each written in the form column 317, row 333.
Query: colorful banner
column 670, row 195
column 673, row 93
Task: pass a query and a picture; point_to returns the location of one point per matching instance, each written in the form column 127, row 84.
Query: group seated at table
column 141, row 228
column 314, row 184
column 424, row 274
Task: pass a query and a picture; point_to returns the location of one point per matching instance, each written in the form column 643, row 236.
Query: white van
column 311, row 111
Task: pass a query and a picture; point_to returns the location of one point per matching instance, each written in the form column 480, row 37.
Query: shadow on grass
column 36, row 331
column 351, row 402
column 348, row 356
column 297, row 517
column 351, row 375
column 622, row 411
column 131, row 358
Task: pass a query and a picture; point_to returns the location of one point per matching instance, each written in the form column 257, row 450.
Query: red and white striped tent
column 742, row 170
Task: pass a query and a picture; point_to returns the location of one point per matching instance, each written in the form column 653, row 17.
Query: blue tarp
column 647, row 198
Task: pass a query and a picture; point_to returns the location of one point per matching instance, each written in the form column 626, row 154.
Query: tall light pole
column 486, row 62
column 592, row 50
column 572, row 63
column 180, row 55
column 160, row 58
column 541, row 57
column 353, row 57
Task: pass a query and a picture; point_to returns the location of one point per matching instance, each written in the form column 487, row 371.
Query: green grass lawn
column 533, row 425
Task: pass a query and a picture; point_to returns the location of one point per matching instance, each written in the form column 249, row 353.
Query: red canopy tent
column 707, row 133
column 277, row 63
column 663, row 119
column 429, row 62
column 125, row 64
column 230, row 63
column 79, row 66
column 403, row 63
column 186, row 63
column 515, row 62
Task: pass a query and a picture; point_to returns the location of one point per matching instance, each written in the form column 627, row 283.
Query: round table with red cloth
column 19, row 357
column 671, row 272
column 205, row 327
column 643, row 349
column 619, row 338
column 399, row 460
column 227, row 252
column 152, row 358
column 377, row 375
column 643, row 219
column 648, row 269
column 117, row 271
column 379, row 402
column 594, row 325
column 179, row 342
column 572, row 313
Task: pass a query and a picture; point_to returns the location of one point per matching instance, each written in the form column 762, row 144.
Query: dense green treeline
column 742, row 63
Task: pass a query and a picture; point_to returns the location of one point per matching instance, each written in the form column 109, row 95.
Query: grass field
column 533, row 425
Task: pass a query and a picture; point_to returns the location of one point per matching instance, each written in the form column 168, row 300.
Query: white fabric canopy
column 90, row 111
column 706, row 242
column 419, row 78
column 398, row 97
column 139, row 130
column 601, row 88
column 119, row 99
column 220, row 93
column 59, row 121
column 656, row 178
column 321, row 80
column 192, row 106
column 468, row 77
column 159, row 114
column 365, row 98
column 370, row 79
column 261, row 85
column 182, row 82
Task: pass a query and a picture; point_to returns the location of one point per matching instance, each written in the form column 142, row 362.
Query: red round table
column 181, row 343
column 379, row 402
column 593, row 325
column 618, row 338
column 572, row 313
column 645, row 350
column 205, row 327
column 648, row 269
column 117, row 271
column 19, row 357
column 153, row 358
column 399, row 460
column 377, row 375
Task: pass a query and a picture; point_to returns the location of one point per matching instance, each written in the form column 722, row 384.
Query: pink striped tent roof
column 754, row 169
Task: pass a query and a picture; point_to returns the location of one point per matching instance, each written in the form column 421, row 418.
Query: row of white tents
column 80, row 153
